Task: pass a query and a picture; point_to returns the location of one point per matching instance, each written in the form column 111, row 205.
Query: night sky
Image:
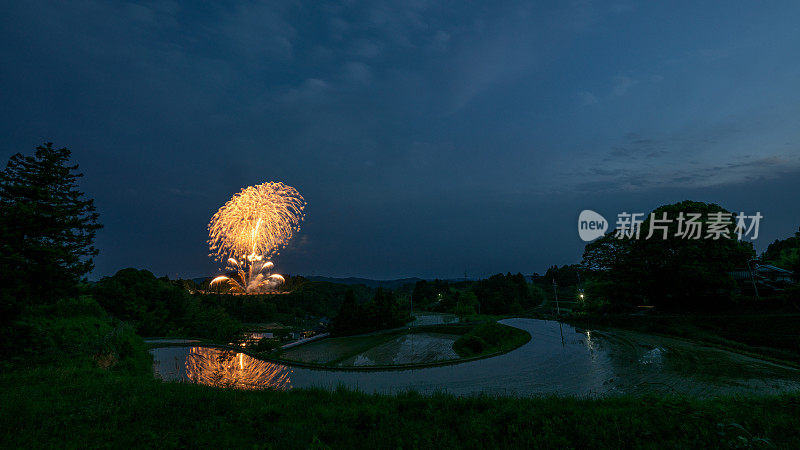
column 429, row 138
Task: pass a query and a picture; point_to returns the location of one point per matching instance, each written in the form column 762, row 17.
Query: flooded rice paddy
column 559, row 359
column 425, row 318
column 407, row 349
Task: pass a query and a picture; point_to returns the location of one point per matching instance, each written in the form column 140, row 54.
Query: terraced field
column 335, row 350
column 559, row 359
column 407, row 349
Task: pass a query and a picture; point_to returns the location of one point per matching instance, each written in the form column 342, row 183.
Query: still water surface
column 559, row 359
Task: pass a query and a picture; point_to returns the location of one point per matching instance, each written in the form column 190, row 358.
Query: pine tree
column 47, row 228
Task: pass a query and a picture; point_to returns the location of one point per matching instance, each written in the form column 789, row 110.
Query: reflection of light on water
column 217, row 367
column 654, row 357
column 362, row 360
column 591, row 345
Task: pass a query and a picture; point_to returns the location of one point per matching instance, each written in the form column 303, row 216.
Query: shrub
column 470, row 346
column 490, row 338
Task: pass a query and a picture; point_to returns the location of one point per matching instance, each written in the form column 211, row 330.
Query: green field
column 70, row 408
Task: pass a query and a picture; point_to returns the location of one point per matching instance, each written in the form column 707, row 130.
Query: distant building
column 261, row 335
column 765, row 276
column 776, row 274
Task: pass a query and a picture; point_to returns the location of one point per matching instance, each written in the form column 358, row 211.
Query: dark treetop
column 47, row 226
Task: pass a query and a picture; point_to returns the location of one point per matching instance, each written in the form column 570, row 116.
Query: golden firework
column 251, row 227
column 256, row 222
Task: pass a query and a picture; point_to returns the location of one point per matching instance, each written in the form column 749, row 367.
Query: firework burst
column 250, row 276
column 249, row 229
column 257, row 221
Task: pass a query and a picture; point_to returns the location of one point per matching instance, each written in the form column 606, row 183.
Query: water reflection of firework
column 249, row 229
column 227, row 368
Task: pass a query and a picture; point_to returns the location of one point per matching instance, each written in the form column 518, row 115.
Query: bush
column 122, row 350
column 72, row 339
column 490, row 338
column 267, row 345
column 158, row 307
column 470, row 345
column 82, row 306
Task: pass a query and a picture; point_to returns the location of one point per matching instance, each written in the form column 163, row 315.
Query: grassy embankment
column 475, row 341
column 51, row 407
column 775, row 336
column 331, row 351
column 489, row 339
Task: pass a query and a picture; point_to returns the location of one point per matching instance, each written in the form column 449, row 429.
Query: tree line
column 499, row 294
column 678, row 274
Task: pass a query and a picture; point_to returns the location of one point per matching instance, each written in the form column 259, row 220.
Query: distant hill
column 388, row 284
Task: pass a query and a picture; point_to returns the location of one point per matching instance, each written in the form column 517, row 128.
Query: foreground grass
column 52, row 407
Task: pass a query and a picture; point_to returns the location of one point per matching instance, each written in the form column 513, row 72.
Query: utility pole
column 555, row 291
column 752, row 279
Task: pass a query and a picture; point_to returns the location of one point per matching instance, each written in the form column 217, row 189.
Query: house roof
column 771, row 268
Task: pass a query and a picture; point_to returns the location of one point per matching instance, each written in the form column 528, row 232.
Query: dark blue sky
column 428, row 138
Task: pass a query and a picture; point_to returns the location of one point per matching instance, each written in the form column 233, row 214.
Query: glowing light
column 256, row 222
column 250, row 277
column 226, row 368
column 249, row 229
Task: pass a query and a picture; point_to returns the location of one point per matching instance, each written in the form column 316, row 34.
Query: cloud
column 629, row 169
column 311, row 90
column 635, row 147
column 366, row 49
column 655, row 177
column 358, row 72
column 338, row 27
column 257, row 31
column 586, row 98
column 622, row 84
column 440, row 41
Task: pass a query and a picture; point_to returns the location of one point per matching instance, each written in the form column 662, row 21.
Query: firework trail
column 252, row 227
column 257, row 221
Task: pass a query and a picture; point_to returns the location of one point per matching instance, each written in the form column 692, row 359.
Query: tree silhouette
column 673, row 273
column 47, row 228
